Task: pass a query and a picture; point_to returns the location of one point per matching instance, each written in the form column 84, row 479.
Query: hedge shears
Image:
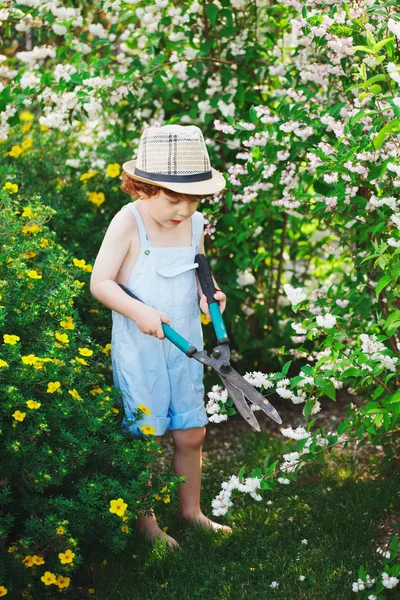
column 237, row 387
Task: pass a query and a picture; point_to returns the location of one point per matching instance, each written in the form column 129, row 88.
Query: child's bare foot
column 154, row 533
column 200, row 519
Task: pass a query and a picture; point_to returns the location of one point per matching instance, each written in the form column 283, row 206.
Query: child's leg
column 187, row 462
column 148, row 525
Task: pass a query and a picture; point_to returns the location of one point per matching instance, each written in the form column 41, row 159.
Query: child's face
column 170, row 212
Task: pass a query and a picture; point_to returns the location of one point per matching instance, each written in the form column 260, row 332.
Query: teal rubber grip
column 173, row 336
column 180, row 342
column 218, row 322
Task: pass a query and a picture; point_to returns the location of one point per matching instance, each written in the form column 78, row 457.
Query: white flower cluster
column 295, row 295
column 216, row 396
column 224, row 127
column 389, row 582
column 259, row 379
column 360, row 585
column 371, row 346
column 326, row 320
column 222, row 503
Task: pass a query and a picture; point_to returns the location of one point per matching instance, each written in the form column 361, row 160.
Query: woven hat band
column 174, row 178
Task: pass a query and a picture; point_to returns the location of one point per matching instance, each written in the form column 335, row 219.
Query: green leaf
column 395, row 316
column 364, row 49
column 382, row 43
column 212, row 12
column 362, row 574
column 342, row 427
column 241, row 473
column 385, row 131
column 253, row 114
column 285, row 367
column 352, row 372
column 265, row 464
column 329, row 390
column 375, row 89
column 308, row 408
column 382, row 283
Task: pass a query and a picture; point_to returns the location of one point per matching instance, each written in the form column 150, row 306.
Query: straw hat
column 175, row 157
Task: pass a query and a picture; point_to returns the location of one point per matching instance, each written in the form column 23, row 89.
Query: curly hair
column 134, row 187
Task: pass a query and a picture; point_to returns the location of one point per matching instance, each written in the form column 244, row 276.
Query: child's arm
column 219, row 296
column 121, row 232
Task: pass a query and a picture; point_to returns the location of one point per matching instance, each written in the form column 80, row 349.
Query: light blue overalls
column 154, row 372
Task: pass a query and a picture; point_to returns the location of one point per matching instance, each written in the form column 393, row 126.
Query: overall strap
column 144, row 238
column 197, row 229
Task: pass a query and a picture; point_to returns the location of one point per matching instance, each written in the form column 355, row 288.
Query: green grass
column 339, row 524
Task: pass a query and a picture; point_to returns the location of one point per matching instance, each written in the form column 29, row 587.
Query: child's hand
column 221, row 299
column 149, row 320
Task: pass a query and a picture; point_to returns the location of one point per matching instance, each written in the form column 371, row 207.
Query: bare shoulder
column 123, row 223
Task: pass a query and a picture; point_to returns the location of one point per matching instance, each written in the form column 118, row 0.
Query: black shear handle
column 208, row 287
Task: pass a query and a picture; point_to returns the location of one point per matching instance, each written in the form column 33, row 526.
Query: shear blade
column 248, row 391
column 239, row 400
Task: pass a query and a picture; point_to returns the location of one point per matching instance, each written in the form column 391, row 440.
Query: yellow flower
column 80, row 283
column 85, row 351
column 88, row 175
column 115, row 410
column 113, row 170
column 44, row 128
column 44, row 242
column 27, row 212
column 31, row 229
column 62, row 337
column 33, row 274
column 62, row 581
column 28, row 561
column 10, row 187
column 11, row 339
column 30, row 359
column 15, row 151
column 53, row 386
column 144, row 409
column 33, row 404
column 96, row 390
column 79, row 263
column 30, row 254
column 3, row 591
column 147, row 429
column 3, row 363
column 82, row 361
column 66, row 557
column 26, row 116
column 96, row 198
column 107, row 349
column 204, row 319
column 37, row 560
column 124, row 528
column 26, row 144
column 118, row 507
column 48, row 578
column 67, row 324
column 91, row 590
column 167, row 499
column 60, row 530
column 74, row 394
column 19, row 416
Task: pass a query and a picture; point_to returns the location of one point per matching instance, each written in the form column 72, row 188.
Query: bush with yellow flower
column 65, row 462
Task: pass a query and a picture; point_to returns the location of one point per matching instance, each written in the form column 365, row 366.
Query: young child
column 149, row 247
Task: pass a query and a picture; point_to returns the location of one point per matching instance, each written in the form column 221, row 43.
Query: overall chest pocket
column 176, row 288
column 140, row 355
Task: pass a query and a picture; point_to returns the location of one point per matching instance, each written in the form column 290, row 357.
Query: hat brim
column 199, row 188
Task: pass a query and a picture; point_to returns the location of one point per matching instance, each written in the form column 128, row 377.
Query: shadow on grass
column 322, row 527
